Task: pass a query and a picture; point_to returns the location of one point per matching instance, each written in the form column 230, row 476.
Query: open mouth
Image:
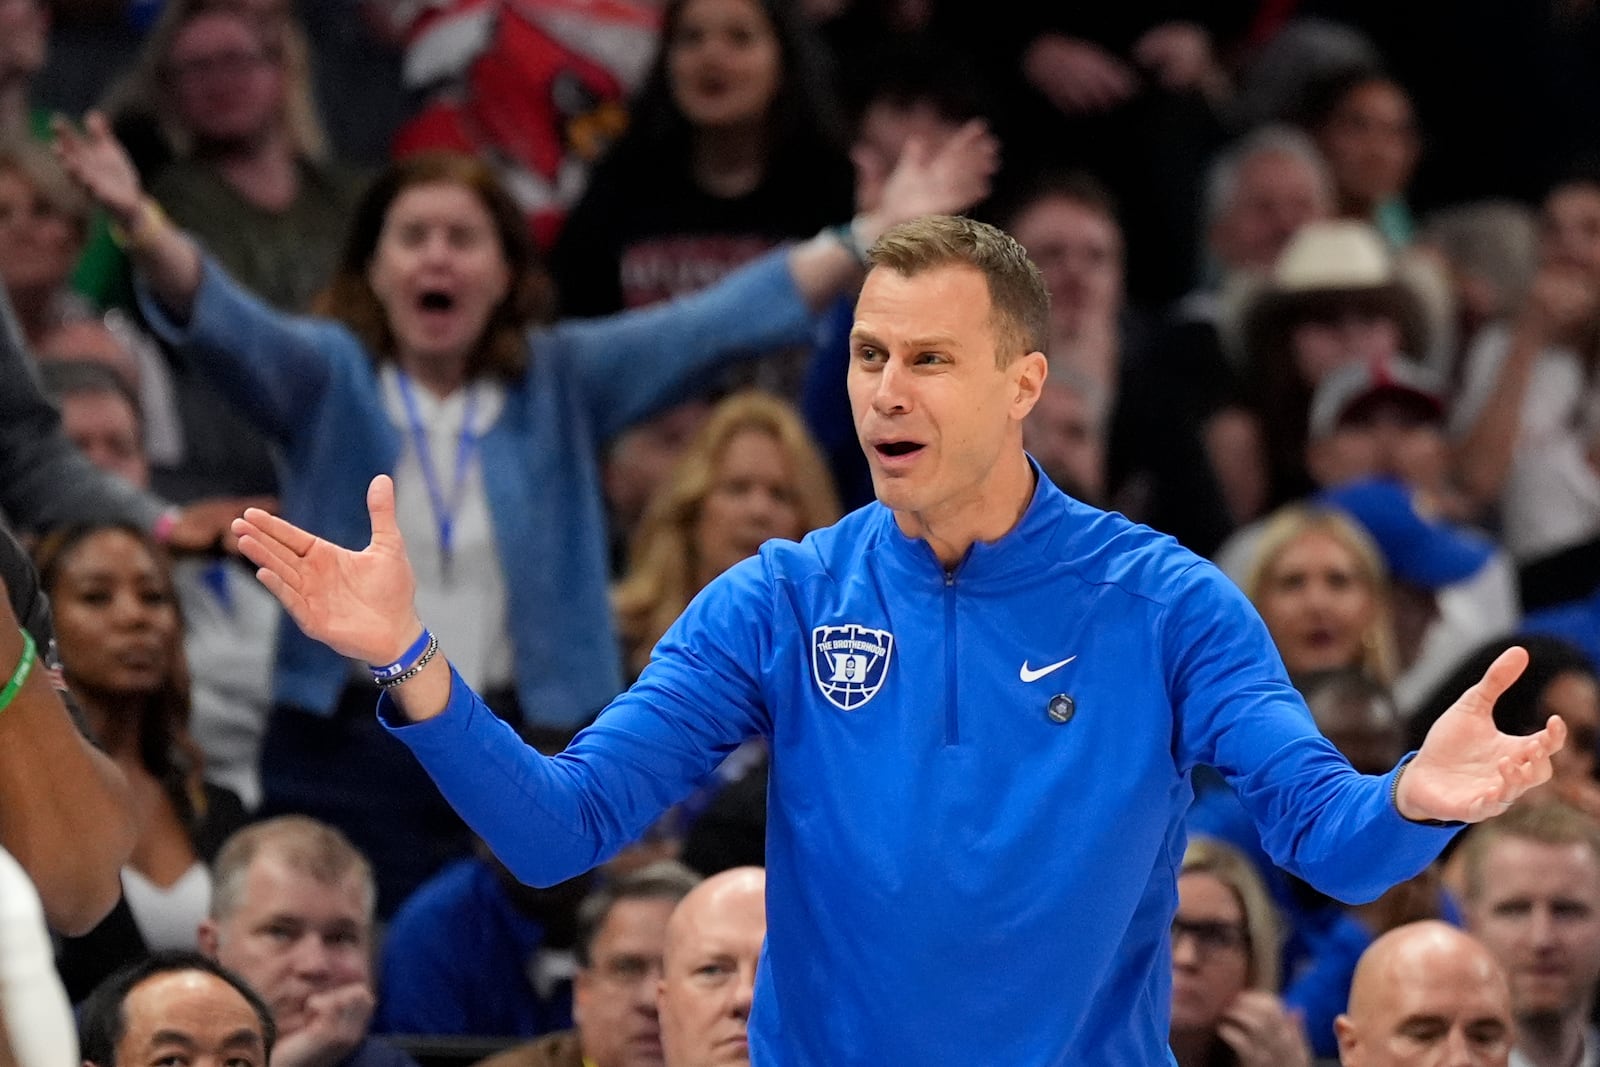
column 435, row 300
column 898, row 448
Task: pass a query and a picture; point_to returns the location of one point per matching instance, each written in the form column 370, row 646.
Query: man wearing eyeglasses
column 622, row 930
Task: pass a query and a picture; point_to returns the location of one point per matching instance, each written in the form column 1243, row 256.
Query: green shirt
column 285, row 257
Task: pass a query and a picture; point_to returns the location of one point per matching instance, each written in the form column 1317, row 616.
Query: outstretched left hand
column 1467, row 770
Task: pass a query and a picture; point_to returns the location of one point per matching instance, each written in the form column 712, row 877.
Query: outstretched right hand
column 360, row 604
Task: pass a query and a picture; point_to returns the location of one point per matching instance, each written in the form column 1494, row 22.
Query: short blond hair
column 303, row 844
column 1019, row 302
column 1546, row 822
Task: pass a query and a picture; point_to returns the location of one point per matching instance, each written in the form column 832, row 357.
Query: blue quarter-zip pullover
column 978, row 780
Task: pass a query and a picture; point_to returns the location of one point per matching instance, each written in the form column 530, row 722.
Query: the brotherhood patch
column 849, row 663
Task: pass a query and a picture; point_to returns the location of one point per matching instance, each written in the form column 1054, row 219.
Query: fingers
column 1525, row 769
column 1506, row 669
column 380, row 506
column 1553, row 738
column 271, row 528
column 267, row 551
column 292, row 601
column 98, row 125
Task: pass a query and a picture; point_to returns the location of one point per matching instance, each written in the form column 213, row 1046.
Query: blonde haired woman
column 1226, row 939
column 1322, row 588
column 752, row 473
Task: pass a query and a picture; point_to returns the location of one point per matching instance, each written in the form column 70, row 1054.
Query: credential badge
column 849, row 663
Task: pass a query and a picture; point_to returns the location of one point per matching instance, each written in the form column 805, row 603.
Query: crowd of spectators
column 1325, row 309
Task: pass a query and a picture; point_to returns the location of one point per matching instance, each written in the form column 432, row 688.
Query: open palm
column 95, row 159
column 358, row 603
column 1467, row 770
column 939, row 177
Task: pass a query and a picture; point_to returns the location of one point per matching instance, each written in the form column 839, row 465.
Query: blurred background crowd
column 1325, row 281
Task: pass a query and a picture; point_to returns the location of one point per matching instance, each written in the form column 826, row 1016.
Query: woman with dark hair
column 121, row 643
column 734, row 145
column 432, row 361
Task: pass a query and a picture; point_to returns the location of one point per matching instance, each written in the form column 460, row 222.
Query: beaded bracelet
column 415, row 669
column 407, row 659
column 19, row 677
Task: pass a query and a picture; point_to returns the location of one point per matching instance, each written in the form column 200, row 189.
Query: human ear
column 1028, row 374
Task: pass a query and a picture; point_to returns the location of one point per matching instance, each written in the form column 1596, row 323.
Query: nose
column 890, row 394
column 1315, row 597
column 1459, row 1051
column 1541, row 930
column 643, row 993
column 311, row 958
column 436, row 245
column 744, row 992
column 130, row 610
column 1184, row 954
column 763, row 505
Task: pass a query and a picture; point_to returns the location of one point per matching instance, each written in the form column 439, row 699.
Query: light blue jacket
column 313, row 389
column 978, row 781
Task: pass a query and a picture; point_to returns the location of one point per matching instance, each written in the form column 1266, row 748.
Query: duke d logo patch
column 849, row 663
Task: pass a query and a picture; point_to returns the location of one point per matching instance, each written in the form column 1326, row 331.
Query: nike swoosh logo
column 1029, row 675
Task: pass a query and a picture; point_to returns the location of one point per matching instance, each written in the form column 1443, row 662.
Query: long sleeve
column 551, row 818
column 630, row 365
column 44, row 479
column 1238, row 713
column 272, row 366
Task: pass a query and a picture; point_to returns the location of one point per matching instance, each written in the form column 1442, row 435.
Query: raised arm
column 271, row 366
column 164, row 255
column 631, row 364
column 928, row 179
column 1238, row 712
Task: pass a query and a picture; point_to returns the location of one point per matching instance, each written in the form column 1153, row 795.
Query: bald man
column 1426, row 995
column 708, row 970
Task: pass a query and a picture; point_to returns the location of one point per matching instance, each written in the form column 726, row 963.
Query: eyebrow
column 244, row 1036
column 172, row 1037
column 918, row 344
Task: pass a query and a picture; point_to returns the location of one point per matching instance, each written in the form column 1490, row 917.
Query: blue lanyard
column 444, row 509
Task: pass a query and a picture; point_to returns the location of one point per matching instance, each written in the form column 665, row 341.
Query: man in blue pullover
column 983, row 699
